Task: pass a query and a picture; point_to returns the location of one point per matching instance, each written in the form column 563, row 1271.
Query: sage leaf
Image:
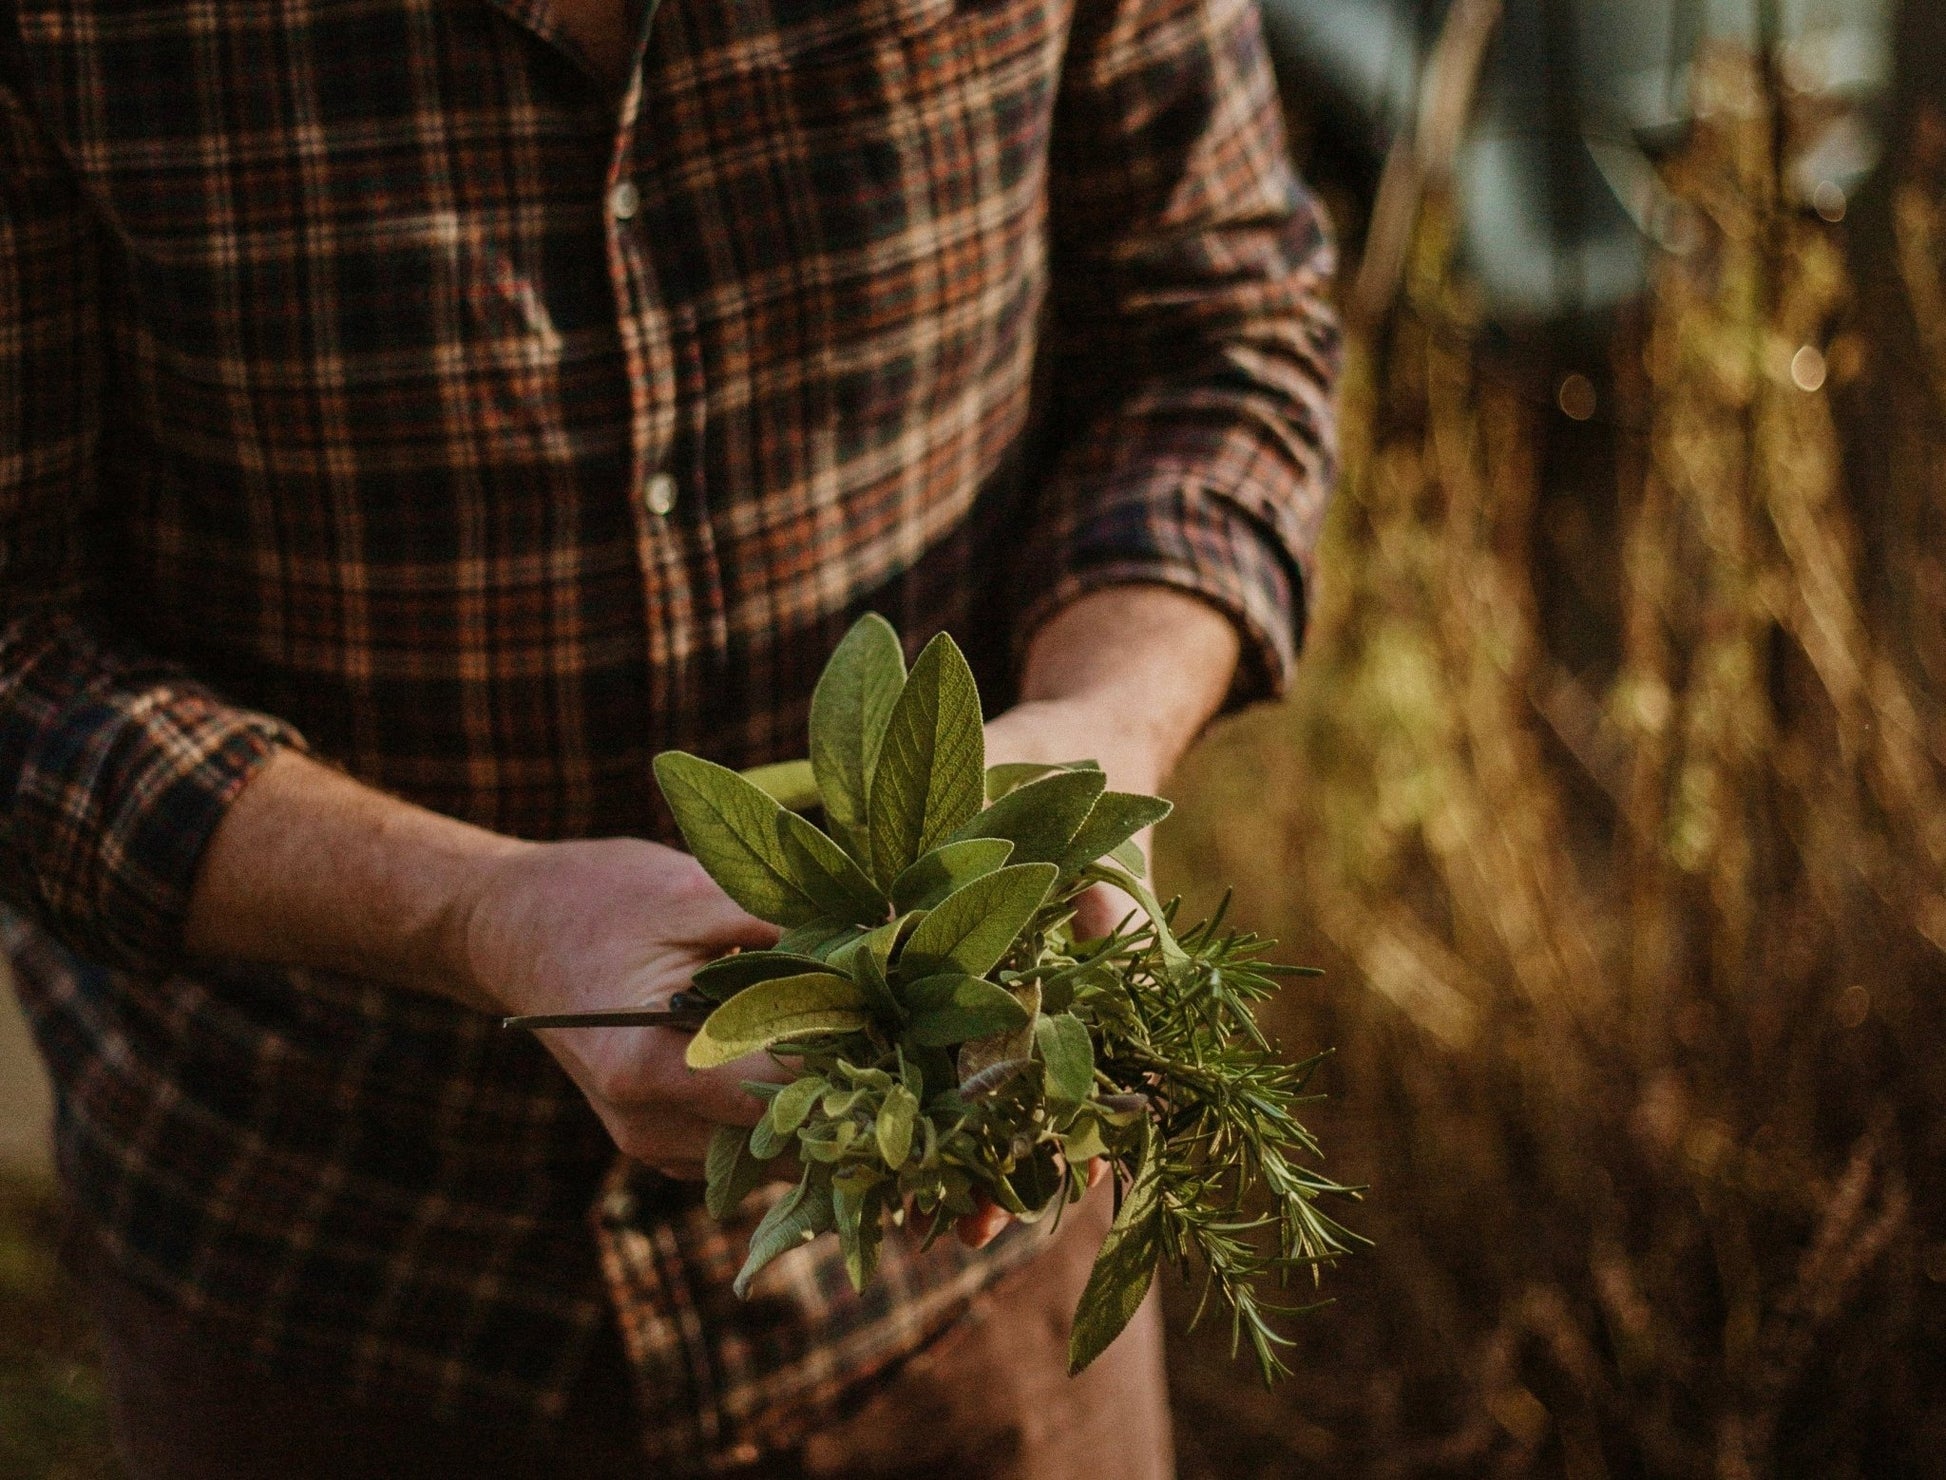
column 732, row 1172
column 796, row 1218
column 940, row 872
column 896, row 1118
column 769, row 1012
column 1083, row 1142
column 1116, row 817
column 1042, row 818
column 1010, row 775
column 849, row 710
column 973, row 927
column 820, row 939
column 1011, row 1043
column 1173, row 955
column 766, row 1144
column 864, row 961
column 793, row 1102
column 789, row 783
column 951, row 1009
column 1035, row 1182
column 772, row 862
column 1125, row 1267
column 827, row 1141
column 994, row 1077
column 1067, row 1056
column 930, row 775
column 728, row 975
column 857, row 1202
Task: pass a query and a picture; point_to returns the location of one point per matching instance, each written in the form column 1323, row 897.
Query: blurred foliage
column 1612, row 791
column 52, row 1422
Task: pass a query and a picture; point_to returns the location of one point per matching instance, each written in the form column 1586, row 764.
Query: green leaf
column 789, row 1007
column 790, row 783
column 770, row 861
column 1013, row 1043
column 732, row 1171
column 1173, row 955
column 973, row 927
column 931, row 771
column 951, row 1009
column 867, row 961
column 896, row 1118
column 1042, row 817
column 849, row 710
column 1011, row 775
column 766, row 1144
column 943, row 870
column 1068, row 1056
column 856, row 1201
column 728, row 975
column 994, row 1077
column 1130, row 856
column 793, row 1102
column 1117, row 817
column 820, row 939
column 841, row 1102
column 827, row 1141
column 1125, row 1267
column 1035, row 1182
column 1083, row 1142
column 796, row 1218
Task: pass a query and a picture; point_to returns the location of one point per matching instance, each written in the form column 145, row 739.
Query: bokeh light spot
column 1807, row 368
column 1577, row 397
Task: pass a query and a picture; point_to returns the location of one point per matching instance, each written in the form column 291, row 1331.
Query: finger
column 661, row 1138
column 652, row 1076
column 978, row 1229
column 1097, row 1172
column 719, row 1095
column 709, row 918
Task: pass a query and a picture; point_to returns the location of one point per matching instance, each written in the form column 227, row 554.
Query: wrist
column 312, row 868
column 1129, row 675
column 477, row 931
column 1096, row 726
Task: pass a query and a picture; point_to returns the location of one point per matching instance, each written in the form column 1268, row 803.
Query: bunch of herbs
column 951, row 1039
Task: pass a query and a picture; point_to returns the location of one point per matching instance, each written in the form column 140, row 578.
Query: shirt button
column 624, row 200
column 659, row 495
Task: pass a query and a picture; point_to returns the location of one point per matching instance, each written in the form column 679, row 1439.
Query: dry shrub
column 1613, row 793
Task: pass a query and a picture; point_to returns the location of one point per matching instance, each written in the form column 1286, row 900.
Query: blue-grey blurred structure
column 1560, row 200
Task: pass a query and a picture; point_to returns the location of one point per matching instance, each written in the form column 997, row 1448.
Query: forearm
column 1130, row 675
column 312, row 868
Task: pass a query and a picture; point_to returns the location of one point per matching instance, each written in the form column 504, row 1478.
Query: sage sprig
column 952, row 1040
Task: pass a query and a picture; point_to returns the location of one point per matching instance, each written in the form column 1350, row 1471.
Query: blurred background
column 1613, row 792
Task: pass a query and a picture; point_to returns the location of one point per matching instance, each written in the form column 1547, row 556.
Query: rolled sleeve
column 114, row 769
column 1195, row 348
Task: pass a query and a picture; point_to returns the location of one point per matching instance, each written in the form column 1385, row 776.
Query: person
column 414, row 416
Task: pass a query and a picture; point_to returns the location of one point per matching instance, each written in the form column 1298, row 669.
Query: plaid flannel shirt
column 375, row 380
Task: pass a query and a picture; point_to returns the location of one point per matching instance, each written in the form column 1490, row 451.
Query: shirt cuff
column 1192, row 539
column 116, row 775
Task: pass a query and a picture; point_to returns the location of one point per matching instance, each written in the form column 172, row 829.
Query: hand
column 564, row 927
column 1069, row 730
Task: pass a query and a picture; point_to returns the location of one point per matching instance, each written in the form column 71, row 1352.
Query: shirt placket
column 655, row 490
